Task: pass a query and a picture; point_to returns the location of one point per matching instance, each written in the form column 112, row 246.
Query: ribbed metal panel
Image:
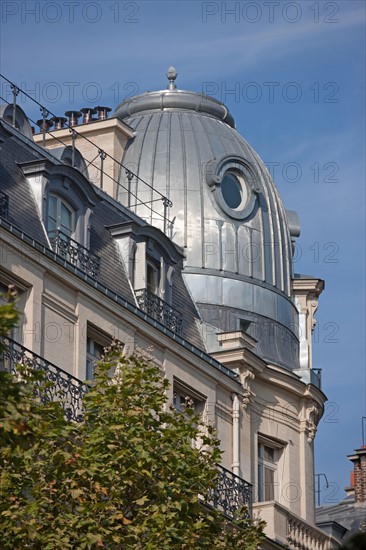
column 176, row 136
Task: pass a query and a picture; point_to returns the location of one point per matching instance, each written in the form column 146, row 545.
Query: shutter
column 140, row 266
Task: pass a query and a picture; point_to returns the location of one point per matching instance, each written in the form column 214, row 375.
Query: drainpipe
column 236, row 434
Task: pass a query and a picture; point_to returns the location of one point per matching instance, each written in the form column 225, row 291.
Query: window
column 95, row 343
column 187, row 398
column 184, row 397
column 94, row 353
column 267, row 471
column 19, row 294
column 152, row 277
column 232, row 190
column 60, row 216
column 235, row 184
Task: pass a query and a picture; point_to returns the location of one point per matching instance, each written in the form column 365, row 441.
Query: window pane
column 94, row 353
column 52, row 207
column 152, row 278
column 268, row 453
column 268, row 484
column 52, row 214
column 231, row 190
column 66, row 219
column 260, row 483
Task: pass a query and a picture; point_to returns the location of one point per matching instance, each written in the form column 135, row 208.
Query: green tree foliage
column 127, row 476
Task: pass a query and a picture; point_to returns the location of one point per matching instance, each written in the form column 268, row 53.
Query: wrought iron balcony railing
column 156, row 308
column 231, row 494
column 4, row 205
column 75, row 253
column 63, row 387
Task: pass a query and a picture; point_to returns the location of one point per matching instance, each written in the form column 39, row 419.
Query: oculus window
column 234, row 190
column 234, row 184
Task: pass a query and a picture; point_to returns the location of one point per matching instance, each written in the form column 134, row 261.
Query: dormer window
column 65, row 199
column 150, row 258
column 60, row 216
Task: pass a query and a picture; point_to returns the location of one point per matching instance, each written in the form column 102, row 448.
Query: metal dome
column 228, row 213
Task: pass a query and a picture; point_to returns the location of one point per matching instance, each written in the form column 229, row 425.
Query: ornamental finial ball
column 171, row 76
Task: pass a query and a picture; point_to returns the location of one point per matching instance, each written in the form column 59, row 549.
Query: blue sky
column 293, row 76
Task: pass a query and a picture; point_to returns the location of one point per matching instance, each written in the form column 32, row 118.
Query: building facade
column 161, row 227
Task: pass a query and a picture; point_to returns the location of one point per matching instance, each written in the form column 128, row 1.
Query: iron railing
column 310, row 376
column 4, row 205
column 75, row 253
column 156, row 308
column 231, row 494
column 63, row 387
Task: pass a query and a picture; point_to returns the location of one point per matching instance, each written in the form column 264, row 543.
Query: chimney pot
column 44, row 126
column 102, row 112
column 73, row 117
column 59, row 122
column 88, row 114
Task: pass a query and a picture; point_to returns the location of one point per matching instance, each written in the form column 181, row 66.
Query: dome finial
column 171, row 76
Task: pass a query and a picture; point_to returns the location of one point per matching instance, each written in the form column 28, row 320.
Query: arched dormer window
column 150, row 258
column 65, row 200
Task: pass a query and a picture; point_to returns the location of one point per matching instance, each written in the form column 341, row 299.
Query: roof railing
column 100, row 154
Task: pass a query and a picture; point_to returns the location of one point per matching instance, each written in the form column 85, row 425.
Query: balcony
column 310, row 376
column 4, row 205
column 75, row 253
column 231, row 494
column 63, row 387
column 159, row 310
column 293, row 532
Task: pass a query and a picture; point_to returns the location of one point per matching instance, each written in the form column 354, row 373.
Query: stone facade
column 88, row 268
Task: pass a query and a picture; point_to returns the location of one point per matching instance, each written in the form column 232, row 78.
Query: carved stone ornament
column 246, row 378
column 312, row 417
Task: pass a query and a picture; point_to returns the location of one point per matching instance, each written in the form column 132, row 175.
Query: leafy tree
column 127, row 476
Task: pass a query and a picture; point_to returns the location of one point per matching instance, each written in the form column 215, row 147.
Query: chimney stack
column 359, row 463
column 102, row 112
column 73, row 117
column 88, row 114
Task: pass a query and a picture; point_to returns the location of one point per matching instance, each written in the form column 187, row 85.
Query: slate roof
column 23, row 213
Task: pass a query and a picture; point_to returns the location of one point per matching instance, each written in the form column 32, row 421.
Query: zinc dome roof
column 227, row 211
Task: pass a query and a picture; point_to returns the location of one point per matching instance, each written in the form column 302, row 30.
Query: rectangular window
column 184, row 397
column 95, row 343
column 20, row 297
column 152, row 277
column 267, row 471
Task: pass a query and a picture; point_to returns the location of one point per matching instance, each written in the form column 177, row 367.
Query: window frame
column 97, row 338
column 61, row 202
column 194, row 400
column 268, row 491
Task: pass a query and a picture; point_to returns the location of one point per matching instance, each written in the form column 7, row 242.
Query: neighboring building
column 160, row 226
column 350, row 512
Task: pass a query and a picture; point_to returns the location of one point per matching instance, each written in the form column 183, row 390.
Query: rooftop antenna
column 363, row 430
column 318, row 490
column 171, row 76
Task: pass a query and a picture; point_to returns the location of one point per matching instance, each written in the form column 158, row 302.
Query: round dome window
column 234, row 185
column 232, row 190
